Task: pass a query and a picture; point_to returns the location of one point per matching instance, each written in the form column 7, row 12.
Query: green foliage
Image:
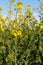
column 21, row 39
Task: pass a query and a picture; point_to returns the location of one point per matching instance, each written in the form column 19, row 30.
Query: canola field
column 21, row 35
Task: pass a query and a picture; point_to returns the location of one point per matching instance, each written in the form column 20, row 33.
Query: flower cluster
column 21, row 36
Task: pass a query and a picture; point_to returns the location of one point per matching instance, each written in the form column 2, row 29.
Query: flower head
column 16, row 33
column 41, row 26
column 41, row 6
column 1, row 8
column 20, row 5
column 2, row 27
column 13, row 1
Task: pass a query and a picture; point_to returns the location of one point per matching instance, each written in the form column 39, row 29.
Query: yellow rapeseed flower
column 10, row 11
column 27, row 22
column 29, row 15
column 1, row 8
column 21, row 17
column 28, row 7
column 41, row 26
column 2, row 19
column 18, row 22
column 2, row 27
column 7, row 17
column 20, row 5
column 19, row 33
column 12, row 23
column 16, row 33
column 41, row 6
column 13, row 1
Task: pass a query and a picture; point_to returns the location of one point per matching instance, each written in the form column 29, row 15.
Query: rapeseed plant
column 21, row 38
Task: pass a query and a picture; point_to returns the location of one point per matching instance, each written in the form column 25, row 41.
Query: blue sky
column 5, row 5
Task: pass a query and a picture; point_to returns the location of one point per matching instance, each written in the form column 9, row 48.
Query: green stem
column 15, row 51
column 25, row 62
